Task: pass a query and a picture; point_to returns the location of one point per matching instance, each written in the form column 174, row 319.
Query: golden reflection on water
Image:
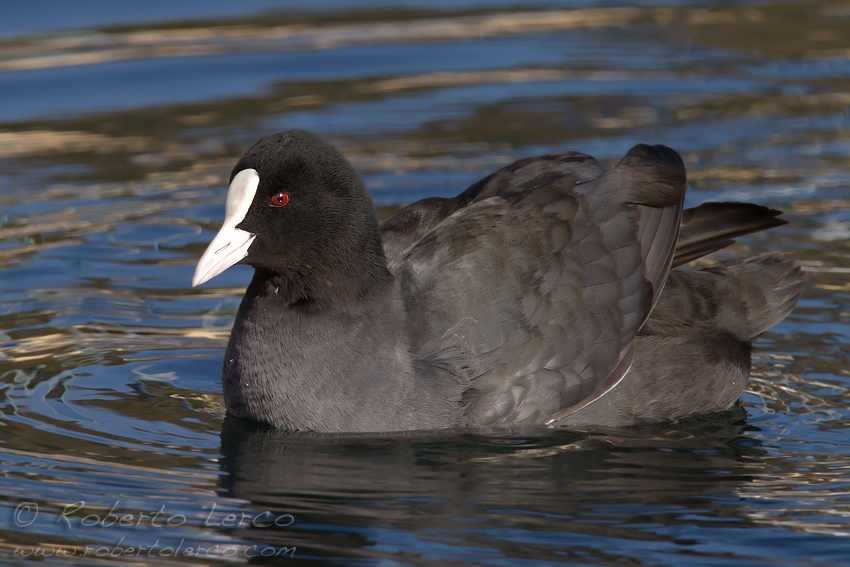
column 96, row 172
column 116, row 46
column 128, row 140
column 769, row 28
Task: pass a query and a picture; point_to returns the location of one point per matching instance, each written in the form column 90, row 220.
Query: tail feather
column 771, row 285
column 744, row 296
column 713, row 226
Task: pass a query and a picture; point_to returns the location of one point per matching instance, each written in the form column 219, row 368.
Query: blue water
column 118, row 128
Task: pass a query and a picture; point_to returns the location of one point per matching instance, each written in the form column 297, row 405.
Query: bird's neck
column 346, row 281
column 317, row 366
column 322, row 289
column 341, row 272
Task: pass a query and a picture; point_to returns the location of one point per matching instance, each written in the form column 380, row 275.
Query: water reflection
column 463, row 497
column 115, row 147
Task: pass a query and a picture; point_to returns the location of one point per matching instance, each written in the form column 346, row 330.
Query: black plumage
column 536, row 296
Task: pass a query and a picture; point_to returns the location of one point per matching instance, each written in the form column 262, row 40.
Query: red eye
column 280, row 199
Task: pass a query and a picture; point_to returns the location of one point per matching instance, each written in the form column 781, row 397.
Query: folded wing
column 540, row 276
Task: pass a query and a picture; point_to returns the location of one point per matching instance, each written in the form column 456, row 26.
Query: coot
column 543, row 294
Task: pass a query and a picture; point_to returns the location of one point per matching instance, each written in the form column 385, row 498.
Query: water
column 115, row 146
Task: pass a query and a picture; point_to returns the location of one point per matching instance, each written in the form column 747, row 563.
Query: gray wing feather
column 542, row 286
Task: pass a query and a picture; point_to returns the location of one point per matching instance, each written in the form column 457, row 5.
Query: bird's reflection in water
column 539, row 494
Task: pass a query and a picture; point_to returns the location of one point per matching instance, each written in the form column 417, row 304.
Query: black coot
column 543, row 294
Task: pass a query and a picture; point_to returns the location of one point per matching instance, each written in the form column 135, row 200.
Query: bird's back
column 540, row 282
